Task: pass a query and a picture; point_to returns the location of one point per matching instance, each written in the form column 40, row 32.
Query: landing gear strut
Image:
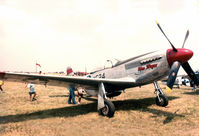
column 105, row 107
column 161, row 98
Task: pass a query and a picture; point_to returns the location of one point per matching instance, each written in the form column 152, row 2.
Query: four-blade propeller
column 177, row 57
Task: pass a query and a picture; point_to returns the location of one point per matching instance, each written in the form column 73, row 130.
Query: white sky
column 85, row 33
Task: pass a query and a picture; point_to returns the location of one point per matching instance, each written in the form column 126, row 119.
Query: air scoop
column 182, row 55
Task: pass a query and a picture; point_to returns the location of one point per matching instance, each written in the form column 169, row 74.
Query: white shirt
column 31, row 87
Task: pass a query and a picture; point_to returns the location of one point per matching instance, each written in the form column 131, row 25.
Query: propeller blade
column 186, row 36
column 172, row 75
column 174, row 49
column 190, row 72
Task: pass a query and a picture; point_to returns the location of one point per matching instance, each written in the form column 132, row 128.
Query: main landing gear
column 161, row 98
column 105, row 107
column 108, row 110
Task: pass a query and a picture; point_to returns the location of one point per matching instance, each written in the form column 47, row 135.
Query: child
column 32, row 91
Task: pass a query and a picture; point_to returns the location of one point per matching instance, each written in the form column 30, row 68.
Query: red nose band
column 182, row 55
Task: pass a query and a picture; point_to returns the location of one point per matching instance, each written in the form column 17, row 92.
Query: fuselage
column 141, row 70
column 144, row 69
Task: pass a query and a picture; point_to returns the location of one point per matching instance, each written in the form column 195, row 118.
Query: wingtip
column 168, row 89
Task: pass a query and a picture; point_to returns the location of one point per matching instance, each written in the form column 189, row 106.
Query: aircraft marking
column 148, row 66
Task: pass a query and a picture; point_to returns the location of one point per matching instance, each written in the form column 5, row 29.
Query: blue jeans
column 71, row 95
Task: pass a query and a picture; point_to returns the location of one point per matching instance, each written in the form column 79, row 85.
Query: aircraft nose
column 182, row 55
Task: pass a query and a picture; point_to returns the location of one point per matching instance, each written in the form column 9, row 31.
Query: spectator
column 80, row 91
column 71, row 95
column 1, row 84
column 32, row 91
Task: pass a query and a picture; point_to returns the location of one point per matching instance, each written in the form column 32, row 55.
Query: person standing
column 1, row 84
column 194, row 87
column 71, row 95
column 32, row 91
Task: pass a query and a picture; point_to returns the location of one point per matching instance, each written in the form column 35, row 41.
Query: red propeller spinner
column 182, row 55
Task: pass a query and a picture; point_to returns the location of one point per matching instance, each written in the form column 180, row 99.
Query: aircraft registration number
column 100, row 76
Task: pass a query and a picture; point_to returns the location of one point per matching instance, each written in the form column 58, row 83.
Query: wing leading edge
column 65, row 81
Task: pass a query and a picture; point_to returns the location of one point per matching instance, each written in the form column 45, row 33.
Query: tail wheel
column 108, row 110
column 163, row 101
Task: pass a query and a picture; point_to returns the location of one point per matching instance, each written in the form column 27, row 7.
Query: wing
column 65, row 81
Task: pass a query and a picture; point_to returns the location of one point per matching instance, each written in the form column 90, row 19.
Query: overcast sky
column 85, row 33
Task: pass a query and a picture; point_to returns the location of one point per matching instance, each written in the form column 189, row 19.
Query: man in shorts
column 32, row 91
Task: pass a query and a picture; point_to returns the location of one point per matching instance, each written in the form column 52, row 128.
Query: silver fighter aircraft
column 109, row 82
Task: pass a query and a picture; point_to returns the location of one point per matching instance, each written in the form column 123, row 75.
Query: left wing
column 65, row 81
column 96, row 86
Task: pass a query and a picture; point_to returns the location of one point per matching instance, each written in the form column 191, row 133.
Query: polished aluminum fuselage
column 143, row 69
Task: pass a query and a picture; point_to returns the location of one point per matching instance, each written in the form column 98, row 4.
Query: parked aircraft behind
column 180, row 80
column 192, row 83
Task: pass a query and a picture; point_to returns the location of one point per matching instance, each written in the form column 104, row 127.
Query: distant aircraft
column 109, row 81
column 192, row 83
column 180, row 80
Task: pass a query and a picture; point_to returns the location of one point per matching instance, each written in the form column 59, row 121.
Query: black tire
column 163, row 100
column 191, row 83
column 108, row 110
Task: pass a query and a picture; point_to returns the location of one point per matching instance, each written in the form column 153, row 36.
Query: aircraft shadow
column 143, row 104
column 188, row 89
column 90, row 99
column 61, row 96
column 58, row 96
column 192, row 93
column 132, row 104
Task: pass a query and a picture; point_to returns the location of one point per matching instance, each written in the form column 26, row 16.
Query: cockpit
column 110, row 63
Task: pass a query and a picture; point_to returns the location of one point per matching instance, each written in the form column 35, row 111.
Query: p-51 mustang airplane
column 137, row 71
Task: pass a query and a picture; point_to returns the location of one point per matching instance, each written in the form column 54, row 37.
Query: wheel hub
column 105, row 110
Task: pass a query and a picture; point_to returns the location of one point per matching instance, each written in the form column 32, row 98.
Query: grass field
column 136, row 113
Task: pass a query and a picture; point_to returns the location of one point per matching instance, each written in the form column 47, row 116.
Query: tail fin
column 69, row 71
